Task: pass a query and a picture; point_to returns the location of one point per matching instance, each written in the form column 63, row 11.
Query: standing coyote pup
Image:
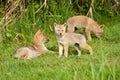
column 36, row 49
column 88, row 24
column 67, row 38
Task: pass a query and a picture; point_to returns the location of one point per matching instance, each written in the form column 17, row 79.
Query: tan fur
column 68, row 38
column 36, row 49
column 84, row 22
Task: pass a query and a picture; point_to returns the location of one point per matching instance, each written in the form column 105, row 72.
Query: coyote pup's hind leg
column 20, row 54
column 71, row 28
column 86, row 46
column 77, row 47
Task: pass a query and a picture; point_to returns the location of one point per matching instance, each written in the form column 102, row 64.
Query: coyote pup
column 36, row 49
column 86, row 23
column 67, row 38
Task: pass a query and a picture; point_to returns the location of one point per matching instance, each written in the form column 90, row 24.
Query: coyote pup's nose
column 60, row 33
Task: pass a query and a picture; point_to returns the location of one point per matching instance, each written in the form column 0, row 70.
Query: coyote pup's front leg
column 66, row 50
column 60, row 49
column 88, row 36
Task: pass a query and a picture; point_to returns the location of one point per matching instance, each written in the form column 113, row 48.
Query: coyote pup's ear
column 65, row 24
column 38, row 32
column 55, row 24
column 101, row 26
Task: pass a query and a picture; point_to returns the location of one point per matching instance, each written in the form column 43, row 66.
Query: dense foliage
column 32, row 13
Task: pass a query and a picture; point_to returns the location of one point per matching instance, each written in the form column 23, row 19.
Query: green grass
column 103, row 65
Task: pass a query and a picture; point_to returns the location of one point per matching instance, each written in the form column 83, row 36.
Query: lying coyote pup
column 88, row 24
column 66, row 39
column 36, row 49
